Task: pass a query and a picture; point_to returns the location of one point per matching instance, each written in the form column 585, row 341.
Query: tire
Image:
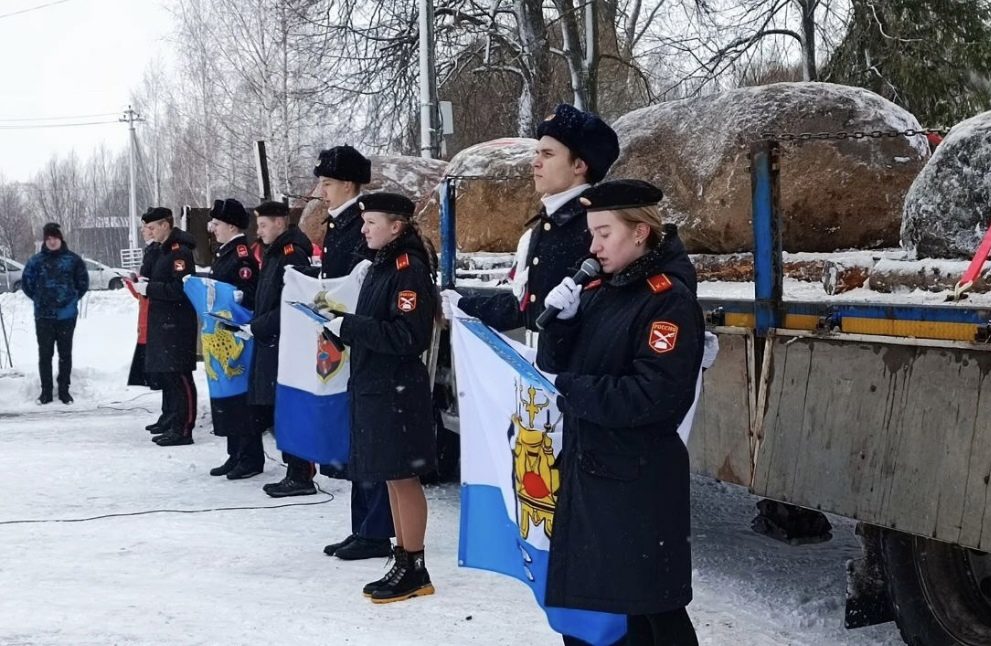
column 115, row 283
column 940, row 593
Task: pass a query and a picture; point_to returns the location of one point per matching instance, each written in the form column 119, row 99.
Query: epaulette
column 242, row 251
column 592, row 285
column 402, row 262
column 659, row 283
column 288, row 249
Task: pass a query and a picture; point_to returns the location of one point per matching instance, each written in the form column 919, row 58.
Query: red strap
column 980, row 257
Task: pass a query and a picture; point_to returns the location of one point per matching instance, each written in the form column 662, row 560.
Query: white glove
column 710, row 351
column 141, row 287
column 238, row 296
column 334, row 327
column 449, row 303
column 187, row 277
column 566, row 298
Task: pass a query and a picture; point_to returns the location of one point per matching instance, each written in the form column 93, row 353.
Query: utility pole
column 130, row 117
column 428, row 82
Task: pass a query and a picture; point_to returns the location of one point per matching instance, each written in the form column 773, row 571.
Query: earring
column 638, row 242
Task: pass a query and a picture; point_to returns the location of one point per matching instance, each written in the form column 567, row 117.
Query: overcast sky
column 74, row 57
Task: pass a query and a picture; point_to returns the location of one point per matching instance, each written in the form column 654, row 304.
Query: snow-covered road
column 256, row 574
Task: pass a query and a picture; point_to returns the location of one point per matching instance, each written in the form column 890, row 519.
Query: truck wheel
column 115, row 283
column 940, row 593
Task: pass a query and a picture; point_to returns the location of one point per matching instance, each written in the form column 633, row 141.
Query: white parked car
column 10, row 275
column 103, row 276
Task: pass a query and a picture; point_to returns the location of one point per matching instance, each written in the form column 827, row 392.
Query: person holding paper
column 626, row 350
column 392, row 421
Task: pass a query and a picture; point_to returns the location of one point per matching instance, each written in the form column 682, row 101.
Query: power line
column 30, row 9
column 54, row 125
column 65, row 118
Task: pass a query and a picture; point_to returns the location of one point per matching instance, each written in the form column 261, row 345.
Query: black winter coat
column 172, row 328
column 392, row 421
column 558, row 245
column 234, row 264
column 151, row 253
column 343, row 245
column 292, row 248
column 627, row 366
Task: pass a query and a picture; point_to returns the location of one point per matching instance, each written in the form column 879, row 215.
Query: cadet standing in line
column 392, row 420
column 342, row 171
column 170, row 352
column 285, row 246
column 233, row 264
column 575, row 149
column 626, row 352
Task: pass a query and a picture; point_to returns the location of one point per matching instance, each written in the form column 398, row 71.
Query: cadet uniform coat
column 343, row 245
column 172, row 328
column 292, row 248
column 235, row 265
column 392, row 421
column 621, row 527
column 558, row 243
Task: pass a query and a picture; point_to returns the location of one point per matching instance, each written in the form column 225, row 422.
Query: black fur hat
column 586, row 135
column 344, row 163
column 230, row 211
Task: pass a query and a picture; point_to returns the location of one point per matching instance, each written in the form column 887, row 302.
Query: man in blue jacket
column 55, row 279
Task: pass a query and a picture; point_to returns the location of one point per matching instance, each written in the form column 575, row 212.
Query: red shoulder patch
column 175, row 246
column 592, row 285
column 663, row 337
column 402, row 262
column 287, row 250
column 242, row 251
column 659, row 283
column 406, row 301
column 179, row 265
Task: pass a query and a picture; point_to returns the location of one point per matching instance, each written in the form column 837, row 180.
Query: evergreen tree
column 932, row 57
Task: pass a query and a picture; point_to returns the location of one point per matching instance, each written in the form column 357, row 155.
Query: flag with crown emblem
column 226, row 357
column 510, row 439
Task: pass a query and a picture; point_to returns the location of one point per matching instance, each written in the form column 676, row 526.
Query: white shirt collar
column 554, row 202
column 335, row 212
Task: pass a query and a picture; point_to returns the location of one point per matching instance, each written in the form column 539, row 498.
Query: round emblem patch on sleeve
column 663, row 336
column 244, row 273
column 406, row 301
column 179, row 265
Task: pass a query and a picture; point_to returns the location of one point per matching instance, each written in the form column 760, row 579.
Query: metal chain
column 857, row 134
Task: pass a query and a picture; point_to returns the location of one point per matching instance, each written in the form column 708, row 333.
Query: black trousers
column 250, row 450
column 231, row 419
column 178, row 400
column 298, row 469
column 52, row 333
column 371, row 515
column 672, row 628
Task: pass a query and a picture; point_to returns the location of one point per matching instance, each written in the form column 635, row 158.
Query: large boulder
column 490, row 211
column 948, row 207
column 414, row 177
column 834, row 194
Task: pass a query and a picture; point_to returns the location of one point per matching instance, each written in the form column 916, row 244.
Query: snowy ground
column 253, row 573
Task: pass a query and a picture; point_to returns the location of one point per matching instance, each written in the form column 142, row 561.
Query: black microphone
column 589, row 270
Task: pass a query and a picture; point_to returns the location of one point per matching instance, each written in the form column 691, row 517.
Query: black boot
column 64, row 396
column 243, row 471
column 365, row 548
column 408, row 582
column 45, row 398
column 174, row 439
column 333, row 547
column 400, row 561
column 288, row 487
column 224, row 468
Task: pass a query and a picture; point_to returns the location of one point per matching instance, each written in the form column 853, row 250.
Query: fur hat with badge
column 586, row 135
column 230, row 211
column 345, row 164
